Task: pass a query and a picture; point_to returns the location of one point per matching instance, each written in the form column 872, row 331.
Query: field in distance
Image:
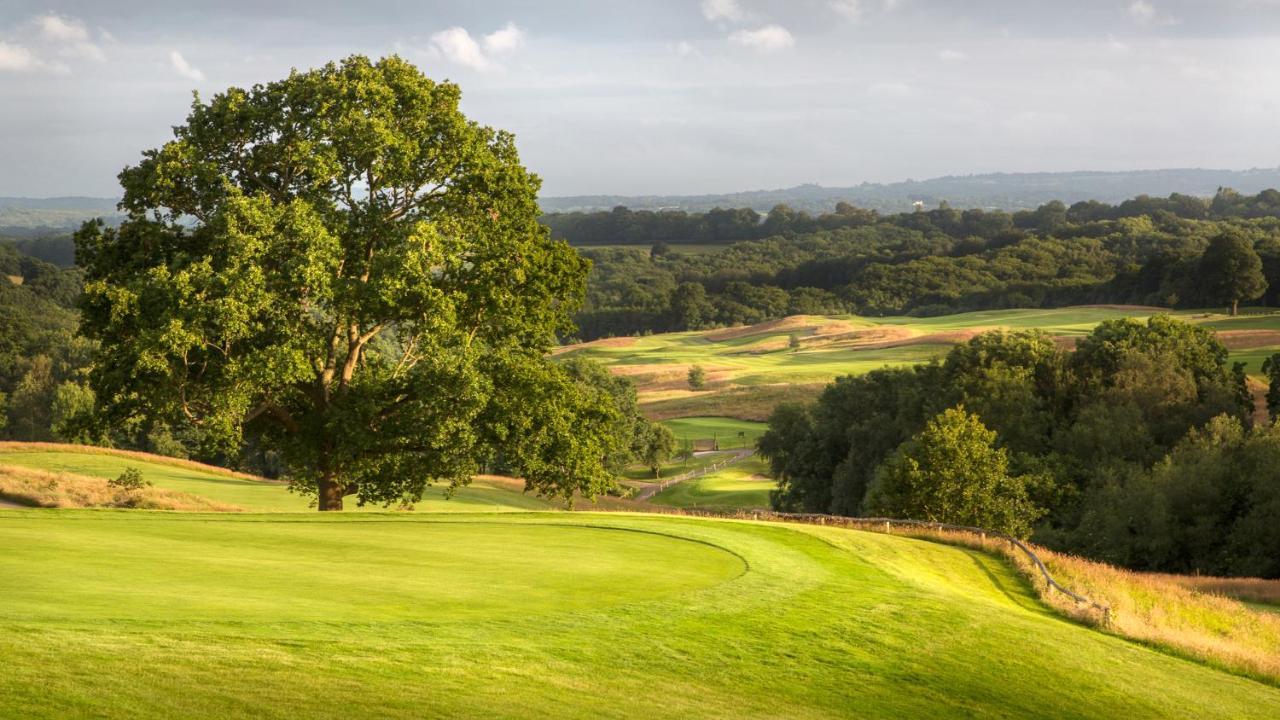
column 121, row 614
column 751, row 369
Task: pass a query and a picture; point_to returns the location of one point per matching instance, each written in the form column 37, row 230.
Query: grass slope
column 728, row 432
column 242, row 491
column 126, row 615
column 741, row 485
column 752, row 369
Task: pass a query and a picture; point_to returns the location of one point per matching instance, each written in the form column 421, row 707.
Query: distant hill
column 1006, row 191
column 21, row 216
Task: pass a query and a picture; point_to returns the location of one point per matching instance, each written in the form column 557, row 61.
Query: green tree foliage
column 1080, row 430
column 697, row 378
column 1145, row 250
column 1232, row 270
column 344, row 267
column 952, row 472
column 657, row 446
column 71, row 413
column 38, row 346
column 1211, row 506
column 1271, row 368
column 629, row 433
column 130, row 480
column 29, row 408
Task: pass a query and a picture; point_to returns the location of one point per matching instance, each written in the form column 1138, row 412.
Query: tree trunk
column 330, row 494
column 1235, row 307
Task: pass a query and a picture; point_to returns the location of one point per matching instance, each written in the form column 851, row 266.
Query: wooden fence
column 887, row 524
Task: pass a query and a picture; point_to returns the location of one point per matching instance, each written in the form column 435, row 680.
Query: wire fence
column 654, row 488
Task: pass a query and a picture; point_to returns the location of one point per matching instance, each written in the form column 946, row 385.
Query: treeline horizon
column 1143, row 251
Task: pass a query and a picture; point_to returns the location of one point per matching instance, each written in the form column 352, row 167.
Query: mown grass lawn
column 729, row 432
column 741, row 485
column 120, row 614
column 251, row 494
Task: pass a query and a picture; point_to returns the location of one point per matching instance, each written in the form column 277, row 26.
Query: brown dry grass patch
column 1257, row 590
column 1124, row 308
column 766, row 327
column 1258, row 393
column 657, row 378
column 1170, row 611
column 754, row 402
column 1248, row 339
column 36, row 488
column 613, row 342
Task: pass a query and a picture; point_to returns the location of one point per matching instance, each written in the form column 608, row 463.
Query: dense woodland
column 1143, row 251
column 1136, row 448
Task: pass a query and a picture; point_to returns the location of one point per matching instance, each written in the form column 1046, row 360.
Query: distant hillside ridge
column 1002, row 191
column 24, row 216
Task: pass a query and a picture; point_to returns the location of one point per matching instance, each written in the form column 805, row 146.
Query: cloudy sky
column 682, row 96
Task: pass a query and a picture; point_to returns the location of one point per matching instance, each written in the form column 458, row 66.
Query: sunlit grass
column 119, row 614
column 746, row 365
column 742, row 485
column 241, row 491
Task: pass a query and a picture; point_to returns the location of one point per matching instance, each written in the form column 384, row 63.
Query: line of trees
column 623, row 226
column 945, row 261
column 1137, row 448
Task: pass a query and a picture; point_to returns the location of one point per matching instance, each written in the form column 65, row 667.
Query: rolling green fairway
column 251, row 494
column 748, row 367
column 125, row 615
column 741, row 485
column 730, row 432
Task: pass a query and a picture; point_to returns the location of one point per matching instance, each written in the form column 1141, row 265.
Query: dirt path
column 655, row 488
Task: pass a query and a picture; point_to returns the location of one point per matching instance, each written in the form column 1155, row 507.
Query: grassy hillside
column 751, row 369
column 727, row 432
column 242, row 491
column 744, row 484
column 119, row 614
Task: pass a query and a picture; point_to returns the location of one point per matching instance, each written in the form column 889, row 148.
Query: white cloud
column 501, row 42
column 457, row 46
column 850, row 10
column 1142, row 12
column 16, row 58
column 729, row 10
column 948, row 55
column 56, row 27
column 70, row 36
column 770, row 38
column 184, row 68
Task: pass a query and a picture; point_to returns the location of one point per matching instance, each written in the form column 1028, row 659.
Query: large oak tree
column 343, row 265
